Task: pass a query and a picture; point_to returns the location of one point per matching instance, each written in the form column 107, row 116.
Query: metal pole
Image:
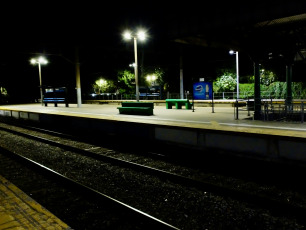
column 237, row 71
column 41, row 92
column 78, row 79
column 192, row 95
column 181, row 78
column 212, row 103
column 302, row 112
column 236, row 107
column 136, row 69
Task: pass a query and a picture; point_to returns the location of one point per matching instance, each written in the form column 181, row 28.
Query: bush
column 225, row 83
column 277, row 90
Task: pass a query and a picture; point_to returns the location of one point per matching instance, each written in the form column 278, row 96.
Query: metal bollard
column 302, row 112
column 236, row 109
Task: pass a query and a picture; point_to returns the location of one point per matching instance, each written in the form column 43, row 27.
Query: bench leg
column 55, row 104
column 168, row 105
column 178, row 105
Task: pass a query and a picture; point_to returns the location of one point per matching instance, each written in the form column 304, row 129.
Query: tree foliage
column 3, row 92
column 126, row 81
column 276, row 90
column 225, row 83
column 103, row 86
column 267, row 77
column 158, row 72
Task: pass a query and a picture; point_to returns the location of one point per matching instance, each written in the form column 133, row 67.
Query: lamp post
column 141, row 36
column 39, row 61
column 237, row 70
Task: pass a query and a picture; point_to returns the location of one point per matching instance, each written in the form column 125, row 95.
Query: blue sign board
column 202, row 90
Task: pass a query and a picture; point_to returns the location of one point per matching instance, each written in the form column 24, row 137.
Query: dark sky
column 55, row 28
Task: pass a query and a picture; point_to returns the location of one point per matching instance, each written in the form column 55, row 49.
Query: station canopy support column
column 257, row 99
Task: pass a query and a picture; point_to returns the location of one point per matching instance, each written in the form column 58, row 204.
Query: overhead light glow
column 40, row 60
column 127, row 35
column 141, row 35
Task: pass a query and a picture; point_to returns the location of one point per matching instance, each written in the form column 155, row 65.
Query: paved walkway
column 19, row 211
column 221, row 117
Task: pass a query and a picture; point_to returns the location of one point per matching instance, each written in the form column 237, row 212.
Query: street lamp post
column 39, row 61
column 237, row 69
column 140, row 35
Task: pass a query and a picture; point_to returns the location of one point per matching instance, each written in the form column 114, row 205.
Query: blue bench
column 55, row 100
column 136, row 108
column 55, row 95
column 178, row 103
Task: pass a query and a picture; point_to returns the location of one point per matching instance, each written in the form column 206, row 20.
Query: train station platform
column 202, row 128
column 19, row 211
column 221, row 117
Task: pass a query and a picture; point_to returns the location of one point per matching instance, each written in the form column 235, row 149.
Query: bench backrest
column 177, row 100
column 55, row 94
column 137, row 104
column 54, row 99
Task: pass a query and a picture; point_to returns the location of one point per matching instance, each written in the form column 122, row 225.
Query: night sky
column 54, row 29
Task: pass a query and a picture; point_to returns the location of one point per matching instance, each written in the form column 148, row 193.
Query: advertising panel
column 202, row 90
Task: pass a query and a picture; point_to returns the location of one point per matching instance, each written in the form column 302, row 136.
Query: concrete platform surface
column 219, row 118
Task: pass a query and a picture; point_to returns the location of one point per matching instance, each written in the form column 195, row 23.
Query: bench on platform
column 56, row 101
column 55, row 95
column 178, row 103
column 136, row 108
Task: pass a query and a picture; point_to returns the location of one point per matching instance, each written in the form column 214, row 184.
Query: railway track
column 143, row 166
column 118, row 214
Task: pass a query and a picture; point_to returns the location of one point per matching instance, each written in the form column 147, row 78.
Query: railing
column 275, row 110
column 217, row 96
column 283, row 111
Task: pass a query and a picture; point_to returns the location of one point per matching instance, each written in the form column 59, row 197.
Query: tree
column 3, row 94
column 267, row 77
column 103, row 86
column 158, row 73
column 225, row 83
column 126, row 81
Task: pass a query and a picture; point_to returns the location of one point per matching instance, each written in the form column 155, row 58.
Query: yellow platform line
column 19, row 211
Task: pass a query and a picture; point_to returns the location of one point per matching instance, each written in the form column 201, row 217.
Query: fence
column 250, row 94
column 275, row 110
column 283, row 112
column 217, row 96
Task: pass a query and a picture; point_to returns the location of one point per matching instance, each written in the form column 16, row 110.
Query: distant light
column 231, row 52
column 40, row 60
column 151, row 78
column 132, row 65
column 127, row 35
column 141, row 35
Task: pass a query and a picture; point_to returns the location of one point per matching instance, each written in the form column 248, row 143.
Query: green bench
column 178, row 103
column 136, row 108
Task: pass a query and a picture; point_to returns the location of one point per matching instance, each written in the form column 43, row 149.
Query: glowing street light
column 39, row 61
column 141, row 35
column 151, row 79
column 237, row 69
